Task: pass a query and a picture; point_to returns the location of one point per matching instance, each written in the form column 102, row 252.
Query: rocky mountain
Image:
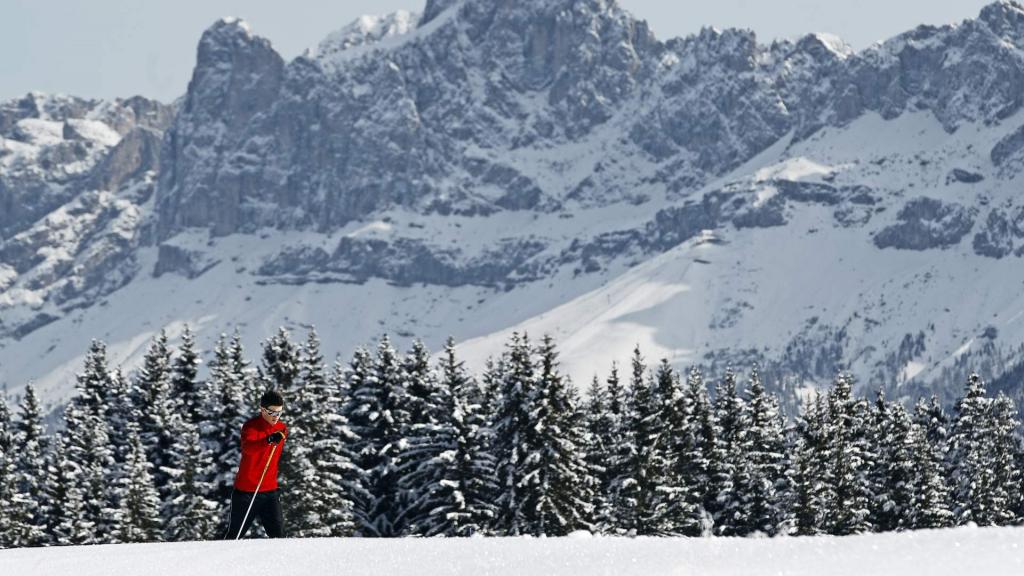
column 546, row 165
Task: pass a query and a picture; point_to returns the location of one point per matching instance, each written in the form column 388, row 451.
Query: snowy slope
column 762, row 288
column 737, row 289
column 988, row 551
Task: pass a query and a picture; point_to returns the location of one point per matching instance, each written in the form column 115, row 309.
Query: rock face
column 423, row 122
column 75, row 176
column 925, row 224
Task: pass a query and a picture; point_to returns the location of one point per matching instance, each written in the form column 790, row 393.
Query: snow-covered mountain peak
column 830, row 43
column 1003, row 16
column 228, row 31
column 366, row 30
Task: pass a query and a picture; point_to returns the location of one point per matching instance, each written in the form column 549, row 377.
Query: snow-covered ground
column 962, row 551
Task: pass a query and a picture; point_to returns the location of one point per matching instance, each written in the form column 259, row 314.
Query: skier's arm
column 253, row 441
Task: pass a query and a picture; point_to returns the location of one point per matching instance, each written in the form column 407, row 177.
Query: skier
column 255, row 492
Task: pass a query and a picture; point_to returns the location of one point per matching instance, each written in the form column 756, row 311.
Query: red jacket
column 255, row 452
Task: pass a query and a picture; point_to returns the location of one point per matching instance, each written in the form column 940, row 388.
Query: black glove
column 275, row 438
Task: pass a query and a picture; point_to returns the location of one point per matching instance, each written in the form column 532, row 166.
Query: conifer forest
column 392, row 444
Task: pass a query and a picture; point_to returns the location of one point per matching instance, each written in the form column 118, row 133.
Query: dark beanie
column 271, row 398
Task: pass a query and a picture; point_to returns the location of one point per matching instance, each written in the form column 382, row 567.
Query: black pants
column 267, row 508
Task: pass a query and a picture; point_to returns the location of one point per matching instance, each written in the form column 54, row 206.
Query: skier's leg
column 239, row 504
column 271, row 515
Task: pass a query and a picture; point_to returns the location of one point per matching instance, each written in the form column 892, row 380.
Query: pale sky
column 111, row 48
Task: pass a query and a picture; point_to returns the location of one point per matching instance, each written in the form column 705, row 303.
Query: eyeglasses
column 273, row 413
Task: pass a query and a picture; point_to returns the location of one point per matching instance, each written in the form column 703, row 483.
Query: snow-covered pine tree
column 8, row 476
column 684, row 497
column 139, row 513
column 607, row 452
column 930, row 505
column 643, row 491
column 555, row 481
column 192, row 513
column 1004, row 454
column 375, row 410
column 281, row 362
column 935, row 423
column 224, row 409
column 765, row 484
column 66, row 519
column 893, row 471
column 158, row 426
column 457, row 483
column 424, row 399
column 514, row 423
column 809, row 492
column 335, row 454
column 729, row 462
column 971, row 469
column 25, row 506
column 694, row 465
column 184, row 384
column 246, row 378
column 599, row 445
column 88, row 445
column 121, row 412
column 356, row 412
column 849, row 461
column 316, row 496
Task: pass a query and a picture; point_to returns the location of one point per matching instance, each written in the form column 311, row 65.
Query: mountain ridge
column 516, row 157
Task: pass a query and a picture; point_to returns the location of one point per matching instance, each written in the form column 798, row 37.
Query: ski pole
column 258, row 484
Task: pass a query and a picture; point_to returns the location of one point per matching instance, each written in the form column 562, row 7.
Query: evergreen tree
column 729, row 460
column 849, row 461
column 694, row 467
column 1004, row 453
column 644, row 495
column 456, row 484
column 225, row 409
column 424, row 398
column 121, row 413
column 356, row 412
column 609, row 427
column 185, row 387
column 160, row 423
column 281, row 362
column 192, row 514
column 30, row 517
column 930, row 505
column 514, row 423
column 934, row 422
column 67, row 522
column 601, row 427
column 8, row 472
column 972, row 473
column 376, row 413
column 684, row 495
column 139, row 503
column 894, row 468
column 809, row 493
column 765, row 482
column 555, row 482
column 317, row 498
column 88, row 447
